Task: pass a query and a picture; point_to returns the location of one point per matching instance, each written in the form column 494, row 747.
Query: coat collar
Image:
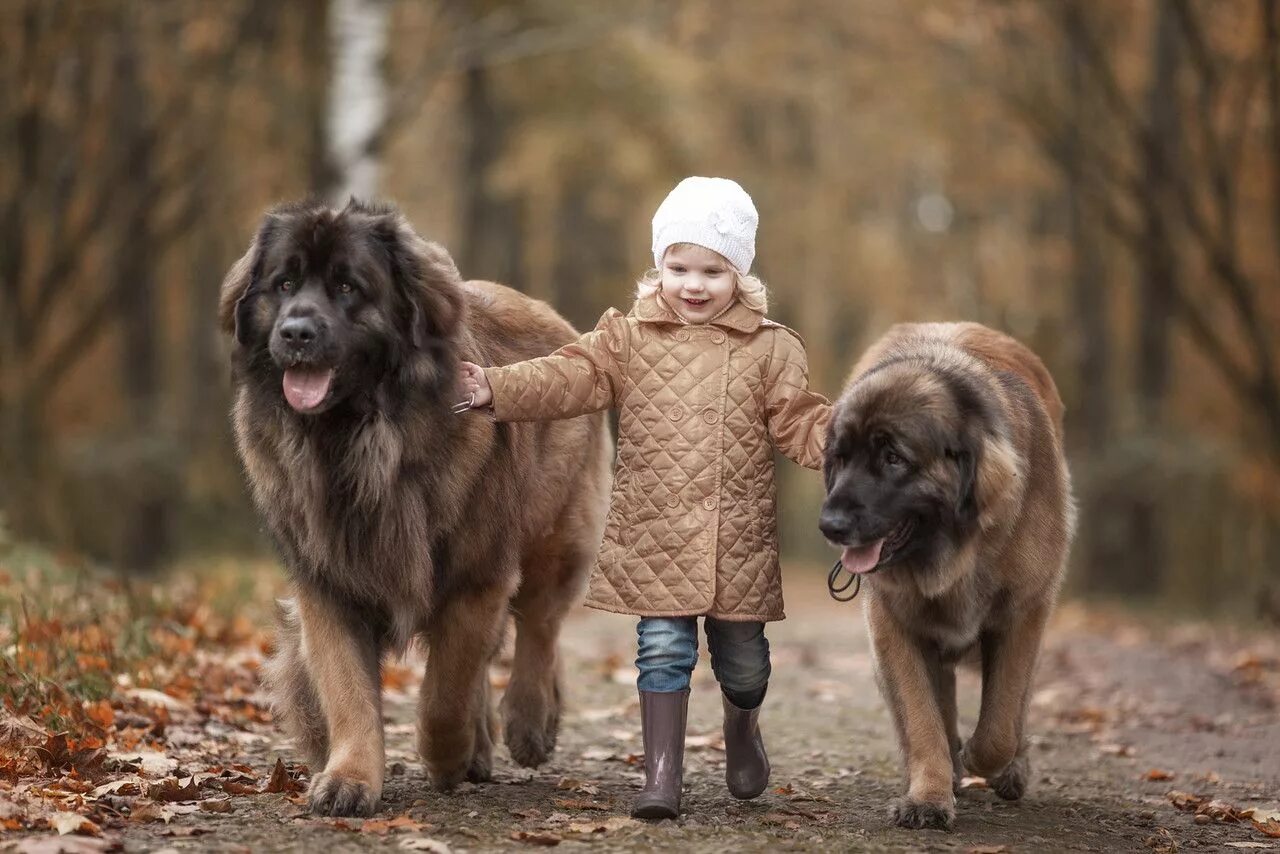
column 653, row 309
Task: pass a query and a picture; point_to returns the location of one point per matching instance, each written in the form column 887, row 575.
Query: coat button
column 682, row 335
column 710, row 416
column 673, row 500
column 717, row 337
column 709, row 502
column 677, row 413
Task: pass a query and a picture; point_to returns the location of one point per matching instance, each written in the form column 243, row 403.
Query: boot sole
column 654, row 811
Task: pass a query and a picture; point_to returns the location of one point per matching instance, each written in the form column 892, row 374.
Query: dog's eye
column 345, row 288
column 892, row 459
column 286, row 285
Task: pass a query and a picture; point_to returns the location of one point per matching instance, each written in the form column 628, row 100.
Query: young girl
column 706, row 388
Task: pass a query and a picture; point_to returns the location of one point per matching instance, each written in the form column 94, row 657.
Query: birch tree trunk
column 357, row 96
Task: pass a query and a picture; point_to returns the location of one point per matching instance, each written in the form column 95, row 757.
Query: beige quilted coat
column 692, row 525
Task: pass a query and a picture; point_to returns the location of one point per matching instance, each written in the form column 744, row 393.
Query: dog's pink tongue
column 305, row 388
column 861, row 559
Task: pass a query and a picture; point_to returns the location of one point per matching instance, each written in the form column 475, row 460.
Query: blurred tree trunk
column 1091, row 422
column 489, row 239
column 1158, row 271
column 357, row 96
column 146, row 520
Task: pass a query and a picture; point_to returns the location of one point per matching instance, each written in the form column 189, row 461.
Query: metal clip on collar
column 463, row 405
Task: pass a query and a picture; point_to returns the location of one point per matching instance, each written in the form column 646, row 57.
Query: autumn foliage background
column 1100, row 180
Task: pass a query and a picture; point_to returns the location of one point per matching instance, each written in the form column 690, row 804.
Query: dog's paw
column 1011, row 783
column 530, row 742
column 921, row 815
column 983, row 758
column 481, row 768
column 333, row 794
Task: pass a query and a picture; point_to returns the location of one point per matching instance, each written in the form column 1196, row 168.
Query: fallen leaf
column 281, row 782
column 153, row 763
column 172, row 790
column 69, row 822
column 974, row 783
column 232, row 787
column 151, row 811
column 1249, row 844
column 1155, row 774
column 66, row 845
column 530, row 812
column 987, row 849
column 425, row 843
column 536, row 837
column 152, row 697
column 216, row 805
column 1184, row 800
column 603, row 825
column 382, row 827
column 128, row 786
column 1271, row 827
column 578, row 804
column 578, row 786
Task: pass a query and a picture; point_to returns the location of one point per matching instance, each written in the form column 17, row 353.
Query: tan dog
column 397, row 520
column 948, row 490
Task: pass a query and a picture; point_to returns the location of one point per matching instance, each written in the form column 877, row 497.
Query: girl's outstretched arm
column 797, row 417
column 585, row 376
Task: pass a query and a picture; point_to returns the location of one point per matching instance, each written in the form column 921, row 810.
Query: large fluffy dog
column 948, row 490
column 397, row 519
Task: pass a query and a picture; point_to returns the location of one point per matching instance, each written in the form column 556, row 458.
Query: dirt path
column 1115, row 703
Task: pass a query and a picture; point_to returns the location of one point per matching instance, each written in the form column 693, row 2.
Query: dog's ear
column 425, row 274
column 966, row 472
column 998, row 480
column 989, row 473
column 238, row 286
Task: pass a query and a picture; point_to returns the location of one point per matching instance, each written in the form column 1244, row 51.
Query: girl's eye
column 286, row 285
column 676, row 268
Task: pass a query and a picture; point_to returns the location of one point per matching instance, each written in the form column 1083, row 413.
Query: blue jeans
column 668, row 651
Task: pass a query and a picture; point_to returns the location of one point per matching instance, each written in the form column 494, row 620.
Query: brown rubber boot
column 662, row 722
column 746, row 767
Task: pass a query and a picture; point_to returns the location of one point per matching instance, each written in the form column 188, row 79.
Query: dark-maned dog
column 397, row 519
column 948, row 489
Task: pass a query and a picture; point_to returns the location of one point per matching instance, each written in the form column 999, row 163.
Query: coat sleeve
column 585, row 376
column 797, row 417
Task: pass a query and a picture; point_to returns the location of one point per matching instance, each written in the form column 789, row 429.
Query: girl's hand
column 474, row 386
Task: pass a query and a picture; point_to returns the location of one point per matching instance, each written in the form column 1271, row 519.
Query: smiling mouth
column 865, row 559
column 306, row 387
column 696, row 303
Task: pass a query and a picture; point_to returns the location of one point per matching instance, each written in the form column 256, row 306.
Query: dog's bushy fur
column 396, row 519
column 947, row 446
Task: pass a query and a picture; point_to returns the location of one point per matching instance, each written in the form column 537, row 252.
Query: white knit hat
column 714, row 213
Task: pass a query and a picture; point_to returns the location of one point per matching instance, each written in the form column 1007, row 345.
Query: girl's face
column 696, row 282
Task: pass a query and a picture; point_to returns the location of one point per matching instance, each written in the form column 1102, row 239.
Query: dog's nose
column 835, row 525
column 298, row 330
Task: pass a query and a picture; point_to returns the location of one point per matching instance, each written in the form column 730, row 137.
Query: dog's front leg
column 997, row 749
column 904, row 676
column 343, row 660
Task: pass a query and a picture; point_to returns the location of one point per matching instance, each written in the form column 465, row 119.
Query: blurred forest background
column 1101, row 180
